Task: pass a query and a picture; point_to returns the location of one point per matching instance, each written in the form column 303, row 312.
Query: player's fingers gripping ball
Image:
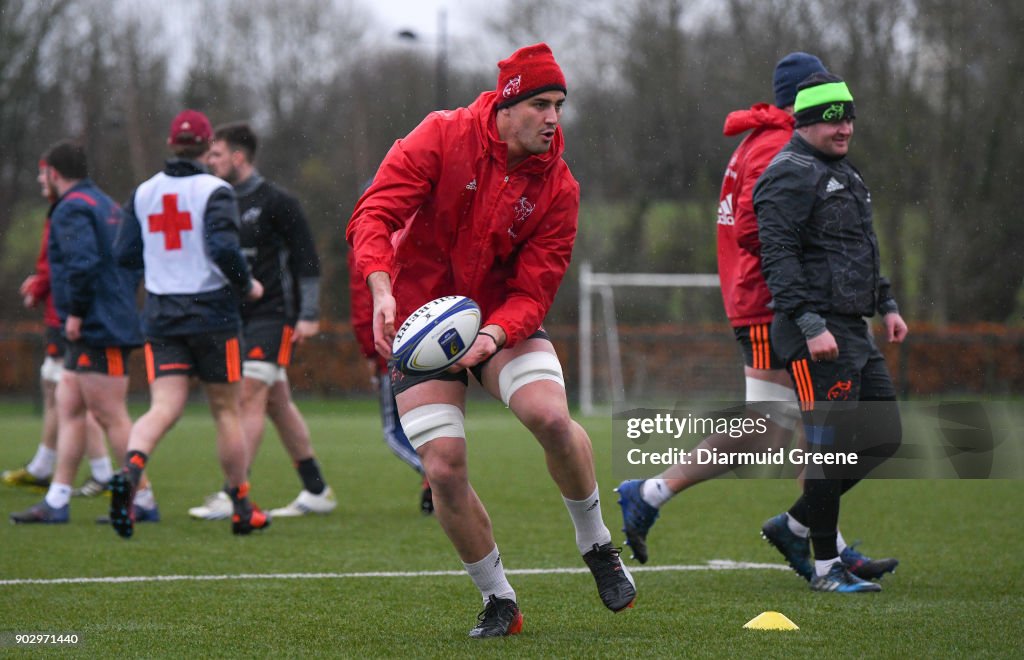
column 436, row 335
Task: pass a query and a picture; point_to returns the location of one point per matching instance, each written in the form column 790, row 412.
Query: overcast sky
column 464, row 20
column 422, row 15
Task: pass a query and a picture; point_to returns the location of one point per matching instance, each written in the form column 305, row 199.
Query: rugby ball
column 436, row 336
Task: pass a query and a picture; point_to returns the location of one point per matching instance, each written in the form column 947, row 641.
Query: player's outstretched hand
column 895, row 328
column 26, row 291
column 823, row 348
column 27, row 284
column 488, row 342
column 305, row 330
column 384, row 311
column 256, row 292
column 384, row 323
column 73, row 327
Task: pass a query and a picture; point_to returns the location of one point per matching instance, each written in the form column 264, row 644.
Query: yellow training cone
column 771, row 621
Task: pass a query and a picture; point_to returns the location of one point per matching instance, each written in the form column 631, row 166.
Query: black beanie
column 823, row 97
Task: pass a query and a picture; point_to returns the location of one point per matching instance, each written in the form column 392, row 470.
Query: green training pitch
column 958, row 590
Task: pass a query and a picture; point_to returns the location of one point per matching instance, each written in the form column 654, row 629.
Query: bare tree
column 26, row 29
column 974, row 78
column 650, row 83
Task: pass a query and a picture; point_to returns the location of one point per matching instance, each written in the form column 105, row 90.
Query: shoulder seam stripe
column 798, row 159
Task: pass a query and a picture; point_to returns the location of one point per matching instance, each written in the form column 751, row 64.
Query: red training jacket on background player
column 502, row 238
column 361, row 314
column 40, row 286
column 744, row 290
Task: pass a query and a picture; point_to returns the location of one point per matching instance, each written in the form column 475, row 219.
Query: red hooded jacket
column 744, row 290
column 468, row 226
column 40, row 285
column 361, row 314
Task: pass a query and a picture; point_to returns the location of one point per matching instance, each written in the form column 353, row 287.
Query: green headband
column 809, row 97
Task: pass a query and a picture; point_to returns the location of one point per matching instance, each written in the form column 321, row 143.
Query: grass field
column 959, row 590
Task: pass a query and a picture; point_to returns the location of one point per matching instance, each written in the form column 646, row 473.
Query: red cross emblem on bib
column 171, row 222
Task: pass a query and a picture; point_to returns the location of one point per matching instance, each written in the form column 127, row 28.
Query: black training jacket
column 279, row 247
column 819, row 251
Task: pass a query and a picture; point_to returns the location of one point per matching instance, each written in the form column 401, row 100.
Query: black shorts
column 214, row 357
column 400, row 381
column 108, row 360
column 55, row 342
column 268, row 341
column 858, row 374
column 756, row 344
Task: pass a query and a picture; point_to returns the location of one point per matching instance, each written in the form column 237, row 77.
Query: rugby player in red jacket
column 746, row 297
column 487, row 209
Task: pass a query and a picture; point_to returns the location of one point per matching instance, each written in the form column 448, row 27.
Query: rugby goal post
column 603, row 284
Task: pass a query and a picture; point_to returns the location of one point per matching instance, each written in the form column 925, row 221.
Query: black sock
column 822, row 497
column 134, row 465
column 798, row 511
column 239, row 498
column 309, row 472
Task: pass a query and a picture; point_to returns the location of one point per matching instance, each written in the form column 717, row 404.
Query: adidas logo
column 594, row 505
column 833, row 185
column 725, row 215
column 471, row 185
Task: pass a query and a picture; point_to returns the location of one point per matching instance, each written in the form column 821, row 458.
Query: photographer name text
column 701, row 456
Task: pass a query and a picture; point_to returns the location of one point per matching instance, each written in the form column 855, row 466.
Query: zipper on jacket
column 868, row 229
column 490, row 218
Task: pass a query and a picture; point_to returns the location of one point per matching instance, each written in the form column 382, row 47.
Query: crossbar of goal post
column 603, row 283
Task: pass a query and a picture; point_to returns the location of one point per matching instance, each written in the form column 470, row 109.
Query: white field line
column 713, row 565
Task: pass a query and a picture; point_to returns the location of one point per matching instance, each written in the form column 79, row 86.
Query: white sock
column 58, row 495
column 822, row 567
column 489, row 576
column 144, row 498
column 586, row 517
column 42, row 464
column 656, row 492
column 801, row 530
column 102, row 470
column 840, row 542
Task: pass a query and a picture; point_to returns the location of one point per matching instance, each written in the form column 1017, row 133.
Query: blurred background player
column 821, row 260
column 489, row 210
column 181, row 226
column 746, row 298
column 36, row 291
column 279, row 248
column 95, row 299
column 361, row 313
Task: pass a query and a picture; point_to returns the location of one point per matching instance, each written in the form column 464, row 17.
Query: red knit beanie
column 529, row 71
